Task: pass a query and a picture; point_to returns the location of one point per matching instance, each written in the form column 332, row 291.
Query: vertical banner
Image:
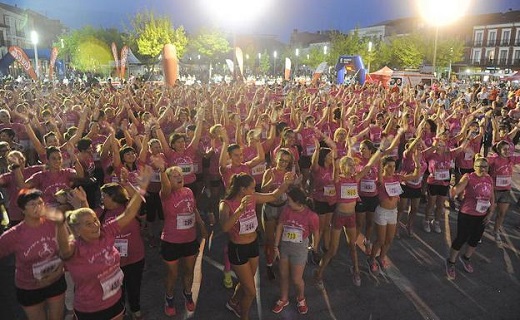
column 20, row 56
column 114, row 53
column 240, row 61
column 52, row 62
column 170, row 64
column 124, row 57
column 231, row 66
column 287, row 69
column 317, row 73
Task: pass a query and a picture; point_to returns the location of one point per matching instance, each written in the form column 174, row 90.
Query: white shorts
column 384, row 216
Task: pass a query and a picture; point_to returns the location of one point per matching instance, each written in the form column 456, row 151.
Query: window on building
column 502, row 56
column 479, row 35
column 517, row 39
column 506, row 37
column 476, row 57
column 490, row 55
column 516, row 57
column 492, row 38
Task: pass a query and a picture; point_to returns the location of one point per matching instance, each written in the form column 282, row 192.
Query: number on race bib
column 368, row 186
column 185, row 221
column 441, row 174
column 112, row 283
column 393, row 188
column 503, row 181
column 44, row 268
column 292, row 234
column 329, row 191
column 483, row 205
column 122, row 246
column 248, row 225
column 349, row 191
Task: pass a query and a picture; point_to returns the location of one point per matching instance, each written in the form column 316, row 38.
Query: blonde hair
column 73, row 217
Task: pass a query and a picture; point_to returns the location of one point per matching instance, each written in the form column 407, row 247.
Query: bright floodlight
column 235, row 12
column 34, row 37
column 442, row 12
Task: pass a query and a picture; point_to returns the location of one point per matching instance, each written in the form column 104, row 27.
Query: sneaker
column 233, row 307
column 169, row 307
column 373, row 267
column 188, row 301
column 410, row 231
column 318, row 280
column 137, row 315
column 466, row 263
column 437, row 227
column 426, row 226
column 315, row 258
column 302, row 306
column 498, row 238
column 356, row 279
column 384, row 263
column 368, row 246
column 278, row 307
column 450, row 270
column 227, row 281
column 270, row 273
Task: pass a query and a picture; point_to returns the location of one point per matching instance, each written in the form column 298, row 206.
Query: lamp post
column 34, row 40
column 275, row 54
column 297, row 53
column 325, row 50
column 369, row 57
column 435, row 14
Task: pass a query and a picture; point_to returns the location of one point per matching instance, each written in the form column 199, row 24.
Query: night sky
column 280, row 19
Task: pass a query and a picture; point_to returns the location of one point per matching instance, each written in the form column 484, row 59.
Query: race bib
column 292, row 234
column 185, row 221
column 416, row 181
column 156, row 177
column 122, row 246
column 248, row 225
column 349, row 191
column 329, row 191
column 112, row 283
column 503, row 181
column 258, row 169
column 393, row 188
column 186, row 168
column 469, row 155
column 44, row 268
column 368, row 185
column 483, row 205
column 96, row 156
column 310, row 150
column 441, row 174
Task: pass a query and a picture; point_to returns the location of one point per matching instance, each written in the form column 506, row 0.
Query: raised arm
column 135, row 202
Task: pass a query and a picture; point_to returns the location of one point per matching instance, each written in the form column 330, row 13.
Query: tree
column 210, row 43
column 265, row 63
column 149, row 34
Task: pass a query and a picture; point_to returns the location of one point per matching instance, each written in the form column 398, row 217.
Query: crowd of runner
column 91, row 176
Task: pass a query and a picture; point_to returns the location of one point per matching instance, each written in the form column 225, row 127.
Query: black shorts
column 367, row 204
column 411, row 193
column 240, row 254
column 153, row 206
column 29, row 298
column 106, row 314
column 438, row 190
column 323, row 207
column 463, row 171
column 199, row 177
column 258, row 187
column 216, row 184
column 175, row 251
column 305, row 162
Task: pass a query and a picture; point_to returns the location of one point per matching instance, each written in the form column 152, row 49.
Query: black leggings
column 469, row 229
column 132, row 284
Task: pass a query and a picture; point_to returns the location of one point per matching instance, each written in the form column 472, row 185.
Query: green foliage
column 211, row 44
column 265, row 62
column 149, row 34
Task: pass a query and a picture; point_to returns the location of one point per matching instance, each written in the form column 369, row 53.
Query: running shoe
column 426, row 226
column 227, row 281
column 169, row 307
column 233, row 307
column 270, row 273
column 466, row 263
column 356, row 279
column 373, row 267
column 302, row 306
column 384, row 263
column 437, row 227
column 188, row 301
column 498, row 238
column 280, row 304
column 137, row 315
column 368, row 246
column 318, row 280
column 450, row 270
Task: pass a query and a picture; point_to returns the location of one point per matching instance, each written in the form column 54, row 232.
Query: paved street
column 414, row 288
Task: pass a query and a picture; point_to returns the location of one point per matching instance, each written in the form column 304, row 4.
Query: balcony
column 491, row 43
column 505, row 43
column 476, row 43
column 485, row 62
column 517, row 42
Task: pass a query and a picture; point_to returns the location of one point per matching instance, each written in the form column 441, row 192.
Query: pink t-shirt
column 257, row 171
column 94, row 267
column 501, row 170
column 408, row 166
column 8, row 181
column 179, row 216
column 49, row 182
column 307, row 136
column 347, row 190
column 229, row 171
column 155, row 180
column 246, row 223
column 367, row 184
column 389, row 188
column 439, row 167
column 298, row 225
column 465, row 159
column 36, row 251
column 323, row 185
column 128, row 242
column 477, row 195
column 185, row 160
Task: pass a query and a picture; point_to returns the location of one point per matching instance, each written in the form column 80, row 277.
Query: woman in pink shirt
column 128, row 242
column 385, row 218
column 475, row 213
column 40, row 283
column 92, row 258
column 238, row 219
column 179, row 236
column 297, row 222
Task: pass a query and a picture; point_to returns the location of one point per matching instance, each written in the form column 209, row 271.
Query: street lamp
column 435, row 14
column 275, row 54
column 297, row 53
column 325, row 50
column 369, row 57
column 34, row 40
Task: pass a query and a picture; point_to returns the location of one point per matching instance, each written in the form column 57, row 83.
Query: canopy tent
column 514, row 77
column 382, row 75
